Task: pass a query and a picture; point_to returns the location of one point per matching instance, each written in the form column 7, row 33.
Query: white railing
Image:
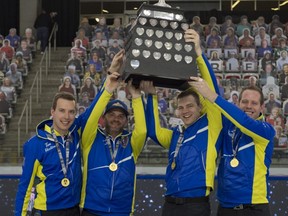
column 53, row 33
column 25, row 110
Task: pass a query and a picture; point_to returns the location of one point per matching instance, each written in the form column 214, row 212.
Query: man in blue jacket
column 245, row 154
column 192, row 147
column 110, row 155
column 53, row 157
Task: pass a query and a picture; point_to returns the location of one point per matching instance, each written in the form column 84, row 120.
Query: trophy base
column 163, row 82
column 162, row 73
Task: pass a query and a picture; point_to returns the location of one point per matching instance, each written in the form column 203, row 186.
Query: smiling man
column 53, row 157
column 246, row 152
column 110, row 154
column 192, row 147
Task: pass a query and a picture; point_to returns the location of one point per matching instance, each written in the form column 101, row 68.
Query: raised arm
column 203, row 64
column 117, row 62
column 139, row 132
column 213, row 114
column 160, row 135
column 89, row 119
column 115, row 66
column 253, row 128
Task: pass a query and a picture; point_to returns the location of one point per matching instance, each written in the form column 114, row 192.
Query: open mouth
column 186, row 116
column 249, row 112
column 65, row 122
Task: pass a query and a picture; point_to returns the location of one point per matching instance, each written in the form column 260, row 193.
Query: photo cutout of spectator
column 278, row 35
column 13, row 38
column 282, row 47
column 284, row 90
column 10, row 91
column 285, row 110
column 227, row 24
column 271, row 103
column 8, row 50
column 213, row 40
column 84, row 24
column 262, row 35
column 4, row 62
column 5, row 106
column 31, row 40
column 232, row 63
column 67, row 86
column 15, row 76
column 234, row 96
column 283, row 59
column 263, row 48
column 275, row 117
column 271, row 86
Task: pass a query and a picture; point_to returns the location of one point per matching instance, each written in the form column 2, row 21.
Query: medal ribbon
column 112, row 153
column 179, row 143
column 235, row 141
column 64, row 168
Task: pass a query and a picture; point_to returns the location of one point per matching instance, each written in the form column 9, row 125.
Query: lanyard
column 67, row 142
column 179, row 143
column 112, row 149
column 235, row 141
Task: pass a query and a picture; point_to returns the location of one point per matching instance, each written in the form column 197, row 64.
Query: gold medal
column 234, row 162
column 113, row 167
column 173, row 165
column 65, row 182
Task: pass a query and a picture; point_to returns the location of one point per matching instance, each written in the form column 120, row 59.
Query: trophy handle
column 162, row 3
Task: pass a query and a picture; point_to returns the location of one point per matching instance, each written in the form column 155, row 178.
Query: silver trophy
column 156, row 50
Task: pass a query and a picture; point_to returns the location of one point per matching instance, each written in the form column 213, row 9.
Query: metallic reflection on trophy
column 156, row 50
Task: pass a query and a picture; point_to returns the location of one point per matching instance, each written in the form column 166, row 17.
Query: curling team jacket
column 252, row 140
column 42, row 164
column 41, row 161
column 194, row 172
column 104, row 191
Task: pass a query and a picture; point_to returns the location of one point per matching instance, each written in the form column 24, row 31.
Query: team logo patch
column 124, row 141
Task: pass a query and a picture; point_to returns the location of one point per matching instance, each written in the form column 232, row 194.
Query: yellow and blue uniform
column 248, row 182
column 41, row 161
column 106, row 192
column 194, row 173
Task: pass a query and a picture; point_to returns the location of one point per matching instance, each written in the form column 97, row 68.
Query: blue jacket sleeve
column 29, row 170
column 210, row 76
column 257, row 129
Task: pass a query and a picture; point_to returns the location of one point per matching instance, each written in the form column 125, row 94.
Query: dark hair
column 191, row 92
column 253, row 88
column 62, row 95
column 228, row 18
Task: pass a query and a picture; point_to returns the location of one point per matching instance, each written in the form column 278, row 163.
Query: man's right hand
column 148, row 87
column 192, row 36
column 202, row 88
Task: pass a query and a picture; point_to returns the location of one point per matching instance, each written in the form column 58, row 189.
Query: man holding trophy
column 163, row 50
column 192, row 147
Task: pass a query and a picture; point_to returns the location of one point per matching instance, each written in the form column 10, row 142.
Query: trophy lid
column 167, row 13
